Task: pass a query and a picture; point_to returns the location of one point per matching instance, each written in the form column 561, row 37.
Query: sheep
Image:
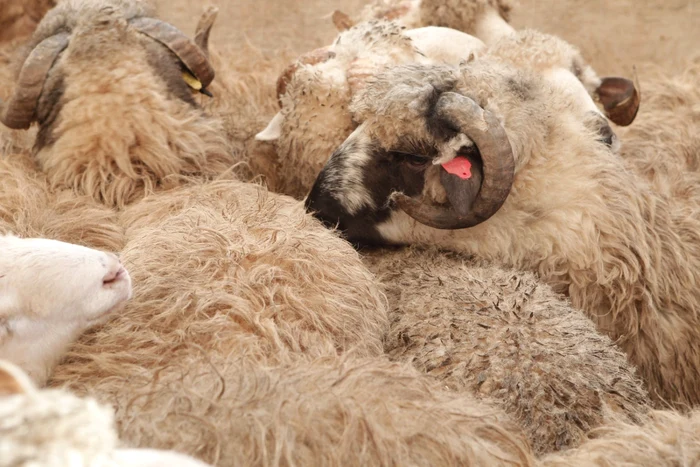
column 534, row 189
column 231, row 410
column 509, row 340
column 55, row 428
column 113, row 90
column 316, row 90
column 50, row 293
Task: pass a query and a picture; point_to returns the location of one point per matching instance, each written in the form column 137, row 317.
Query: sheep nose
column 115, row 270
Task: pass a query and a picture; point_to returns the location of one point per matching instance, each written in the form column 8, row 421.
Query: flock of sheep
column 470, row 249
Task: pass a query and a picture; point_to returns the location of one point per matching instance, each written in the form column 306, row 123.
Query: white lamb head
column 50, row 293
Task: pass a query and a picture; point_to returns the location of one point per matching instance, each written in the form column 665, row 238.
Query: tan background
column 614, row 35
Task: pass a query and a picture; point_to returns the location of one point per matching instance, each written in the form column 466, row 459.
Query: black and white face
column 364, row 182
column 352, row 191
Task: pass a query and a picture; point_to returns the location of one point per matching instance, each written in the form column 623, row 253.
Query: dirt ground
column 614, row 35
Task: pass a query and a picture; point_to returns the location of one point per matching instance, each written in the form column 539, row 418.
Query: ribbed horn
column 189, row 53
column 20, row 111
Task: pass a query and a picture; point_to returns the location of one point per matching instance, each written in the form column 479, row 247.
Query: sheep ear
column 13, row 380
column 273, row 130
column 620, row 99
column 342, row 21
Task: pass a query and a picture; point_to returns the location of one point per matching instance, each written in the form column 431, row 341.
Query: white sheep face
column 50, row 292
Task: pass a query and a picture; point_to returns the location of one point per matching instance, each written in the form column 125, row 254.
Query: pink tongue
column 459, row 166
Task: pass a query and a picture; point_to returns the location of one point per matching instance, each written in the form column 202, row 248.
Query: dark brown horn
column 484, row 129
column 620, row 99
column 310, row 58
column 201, row 34
column 186, row 50
column 20, row 111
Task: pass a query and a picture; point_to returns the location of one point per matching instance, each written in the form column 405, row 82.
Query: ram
column 113, row 91
column 50, row 293
column 503, row 166
column 315, row 92
column 508, row 339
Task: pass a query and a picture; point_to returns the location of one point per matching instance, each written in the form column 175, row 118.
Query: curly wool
column 507, row 338
column 230, row 410
column 225, row 269
column 53, row 428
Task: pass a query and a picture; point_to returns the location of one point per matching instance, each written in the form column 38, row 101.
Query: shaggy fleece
column 508, row 339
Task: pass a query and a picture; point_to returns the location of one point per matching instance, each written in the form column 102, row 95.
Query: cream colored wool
column 231, row 410
column 664, row 141
column 244, row 100
column 508, row 339
column 668, row 439
column 28, row 208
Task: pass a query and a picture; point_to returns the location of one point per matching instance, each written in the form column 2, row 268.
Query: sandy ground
column 614, row 35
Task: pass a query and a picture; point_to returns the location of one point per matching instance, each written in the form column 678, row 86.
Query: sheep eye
column 413, row 161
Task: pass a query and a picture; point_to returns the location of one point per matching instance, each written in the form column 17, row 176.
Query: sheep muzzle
column 471, row 202
column 20, row 111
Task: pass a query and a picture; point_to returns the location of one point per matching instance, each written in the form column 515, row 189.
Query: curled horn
column 20, row 111
column 482, row 127
column 189, row 53
column 201, row 35
column 310, row 58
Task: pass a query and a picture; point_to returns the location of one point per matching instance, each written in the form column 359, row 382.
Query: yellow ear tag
column 191, row 81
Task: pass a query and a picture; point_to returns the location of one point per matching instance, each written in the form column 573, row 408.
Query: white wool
column 54, row 428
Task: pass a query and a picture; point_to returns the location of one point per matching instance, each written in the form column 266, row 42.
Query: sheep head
column 76, row 25
column 52, row 291
column 444, row 145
